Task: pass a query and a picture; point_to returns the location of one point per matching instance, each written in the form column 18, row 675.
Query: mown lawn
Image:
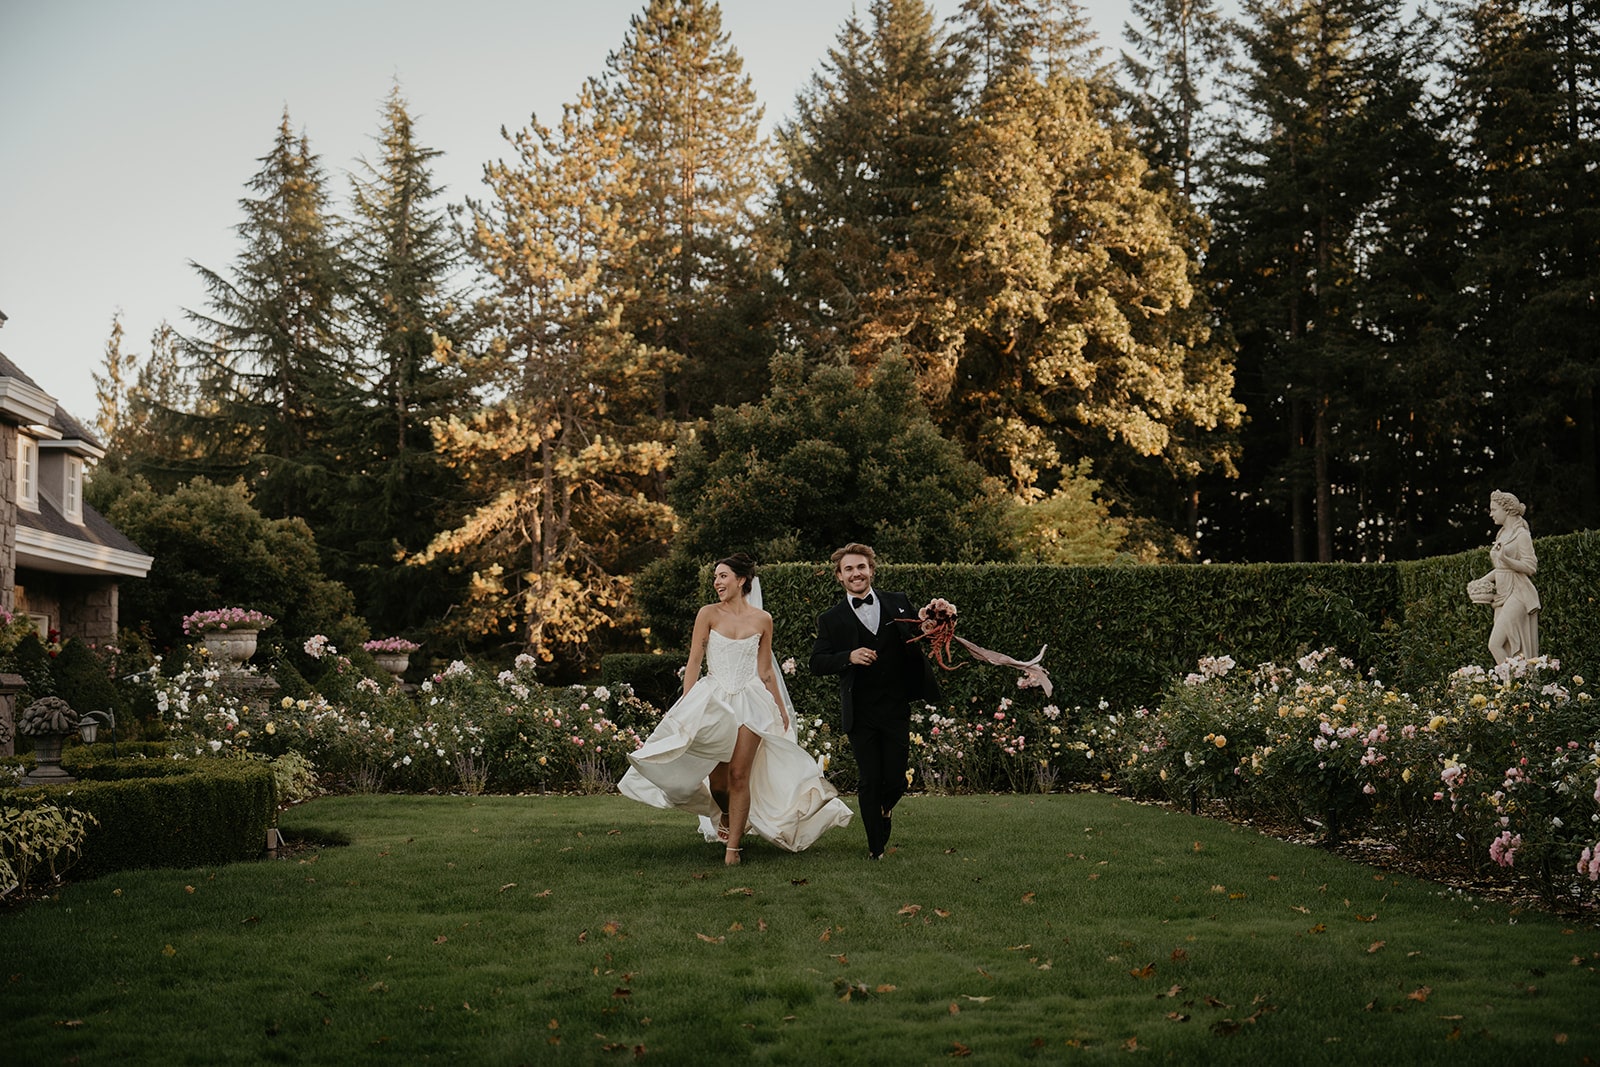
column 1007, row 929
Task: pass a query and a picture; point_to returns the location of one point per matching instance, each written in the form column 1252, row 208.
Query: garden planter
column 393, row 662
column 47, row 761
column 230, row 648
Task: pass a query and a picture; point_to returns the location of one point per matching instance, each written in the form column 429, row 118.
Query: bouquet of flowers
column 937, row 621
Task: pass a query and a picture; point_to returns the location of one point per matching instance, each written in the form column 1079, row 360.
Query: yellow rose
column 1492, row 714
column 1220, row 741
column 1436, row 722
column 271, row 729
column 1479, row 700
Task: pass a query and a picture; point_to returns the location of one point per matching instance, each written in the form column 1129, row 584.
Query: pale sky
column 128, row 128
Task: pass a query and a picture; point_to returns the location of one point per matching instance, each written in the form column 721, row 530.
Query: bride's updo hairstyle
column 743, row 568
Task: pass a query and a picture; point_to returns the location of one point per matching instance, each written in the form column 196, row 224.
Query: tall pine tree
column 860, row 210
column 565, row 444
column 395, row 492
column 275, row 339
column 693, row 277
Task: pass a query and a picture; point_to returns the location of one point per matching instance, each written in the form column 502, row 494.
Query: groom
column 863, row 641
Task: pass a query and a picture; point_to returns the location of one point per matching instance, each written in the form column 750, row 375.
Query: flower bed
column 1497, row 772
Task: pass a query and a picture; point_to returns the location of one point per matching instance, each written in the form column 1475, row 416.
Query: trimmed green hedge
column 1124, row 633
column 165, row 813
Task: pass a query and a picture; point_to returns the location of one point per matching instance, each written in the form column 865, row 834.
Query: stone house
column 60, row 560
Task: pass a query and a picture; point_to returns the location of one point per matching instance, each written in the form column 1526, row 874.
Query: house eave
column 27, row 404
column 52, row 553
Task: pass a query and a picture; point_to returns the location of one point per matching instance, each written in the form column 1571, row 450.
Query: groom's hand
column 864, row 657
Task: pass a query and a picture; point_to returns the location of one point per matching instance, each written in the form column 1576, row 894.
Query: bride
column 726, row 751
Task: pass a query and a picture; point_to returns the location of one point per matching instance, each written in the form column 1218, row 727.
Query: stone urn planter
column 393, row 662
column 231, row 649
column 392, row 654
column 49, row 721
column 229, row 634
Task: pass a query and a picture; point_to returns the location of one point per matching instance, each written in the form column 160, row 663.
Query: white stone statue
column 1509, row 586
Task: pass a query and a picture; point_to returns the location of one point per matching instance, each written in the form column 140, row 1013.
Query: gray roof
column 95, row 529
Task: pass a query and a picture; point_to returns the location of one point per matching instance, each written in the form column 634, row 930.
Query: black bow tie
column 857, row 601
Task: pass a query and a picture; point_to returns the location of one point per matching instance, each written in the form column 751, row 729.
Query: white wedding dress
column 791, row 804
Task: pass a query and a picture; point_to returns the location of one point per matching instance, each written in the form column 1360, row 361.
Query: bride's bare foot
column 730, row 856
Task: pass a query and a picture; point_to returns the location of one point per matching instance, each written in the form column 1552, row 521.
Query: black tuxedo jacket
column 910, row 676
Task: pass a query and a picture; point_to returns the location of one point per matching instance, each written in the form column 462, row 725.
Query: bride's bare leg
column 718, row 781
column 744, row 754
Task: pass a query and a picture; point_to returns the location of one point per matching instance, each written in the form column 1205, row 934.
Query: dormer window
column 72, row 490
column 27, row 473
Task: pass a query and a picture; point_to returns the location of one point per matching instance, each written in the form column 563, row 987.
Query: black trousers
column 882, row 749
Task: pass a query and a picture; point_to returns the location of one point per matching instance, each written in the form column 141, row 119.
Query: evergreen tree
column 1179, row 48
column 693, row 277
column 860, row 210
column 826, row 458
column 1328, row 119
column 113, row 382
column 1079, row 331
column 395, row 492
column 275, row 339
column 1529, row 85
column 154, row 433
column 565, row 443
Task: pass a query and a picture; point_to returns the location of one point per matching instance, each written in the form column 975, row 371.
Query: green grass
column 506, row 930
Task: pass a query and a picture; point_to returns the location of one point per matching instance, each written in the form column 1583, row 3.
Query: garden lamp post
column 89, row 727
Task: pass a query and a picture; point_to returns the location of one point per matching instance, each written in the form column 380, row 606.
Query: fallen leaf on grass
column 1141, row 973
column 1367, row 918
column 740, row 891
column 583, row 936
column 710, row 940
column 977, row 1000
column 441, row 939
column 1300, row 909
column 188, row 889
column 1421, row 994
column 1177, row 1017
column 957, row 1050
column 736, row 927
column 886, row 988
column 613, row 833
column 1179, row 955
column 251, row 919
column 955, row 1009
column 1174, row 991
column 1320, row 928
column 1027, row 898
column 842, row 958
column 512, row 885
column 1131, row 1045
column 1219, row 889
column 941, row 913
column 1375, row 946
column 169, row 951
column 546, row 893
column 799, row 881
column 909, row 909
column 761, row 926
column 73, row 1024
column 1213, row 1002
column 827, row 934
column 621, row 991
column 1017, row 948
column 610, row 929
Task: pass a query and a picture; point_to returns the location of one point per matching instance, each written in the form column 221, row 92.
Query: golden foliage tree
column 565, row 444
